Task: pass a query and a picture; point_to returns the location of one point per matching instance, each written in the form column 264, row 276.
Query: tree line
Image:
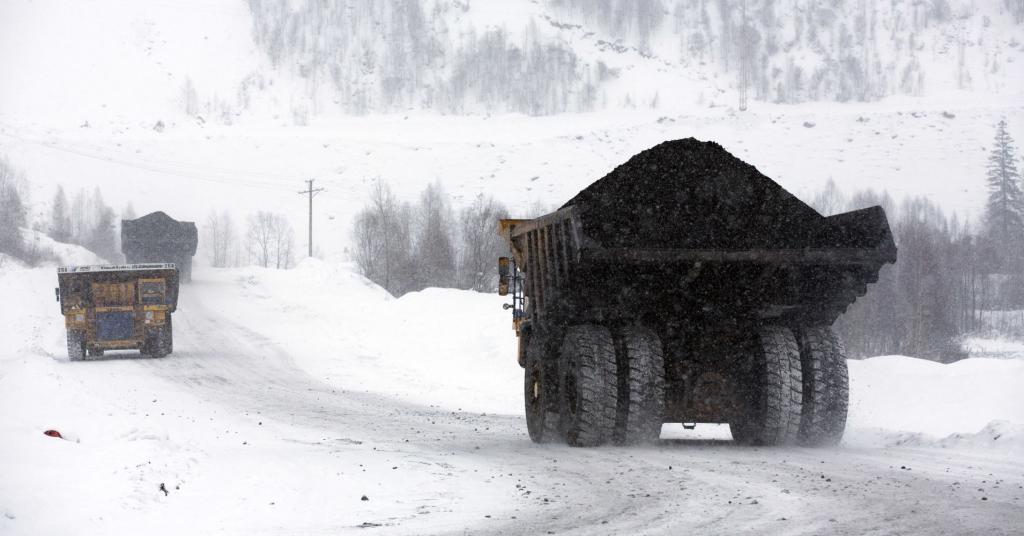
column 373, row 56
column 268, row 240
column 387, row 56
column 86, row 220
column 407, row 247
column 953, row 277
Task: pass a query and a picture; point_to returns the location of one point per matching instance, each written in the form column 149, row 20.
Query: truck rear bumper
column 126, row 344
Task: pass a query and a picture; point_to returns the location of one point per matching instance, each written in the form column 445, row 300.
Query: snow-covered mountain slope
column 229, row 61
column 255, row 425
column 86, row 84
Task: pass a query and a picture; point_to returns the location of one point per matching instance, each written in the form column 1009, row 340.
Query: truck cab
column 118, row 307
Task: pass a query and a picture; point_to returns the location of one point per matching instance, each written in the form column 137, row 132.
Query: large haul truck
column 119, row 307
column 686, row 287
column 157, row 237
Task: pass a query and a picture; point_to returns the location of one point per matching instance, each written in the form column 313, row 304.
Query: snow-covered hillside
column 255, row 425
column 85, row 86
column 285, row 61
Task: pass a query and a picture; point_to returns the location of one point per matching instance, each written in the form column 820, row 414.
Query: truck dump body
column 158, row 238
column 688, row 221
column 686, row 286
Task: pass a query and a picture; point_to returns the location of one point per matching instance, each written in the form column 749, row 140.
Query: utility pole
column 311, row 192
column 744, row 59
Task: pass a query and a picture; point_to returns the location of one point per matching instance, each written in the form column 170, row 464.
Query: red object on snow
column 53, row 433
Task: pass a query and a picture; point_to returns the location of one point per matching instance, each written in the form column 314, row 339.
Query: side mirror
column 503, row 276
column 57, row 292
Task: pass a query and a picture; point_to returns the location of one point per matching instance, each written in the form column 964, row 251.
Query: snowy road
column 471, row 473
column 247, row 441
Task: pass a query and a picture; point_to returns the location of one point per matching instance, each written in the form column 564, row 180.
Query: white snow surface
column 293, row 394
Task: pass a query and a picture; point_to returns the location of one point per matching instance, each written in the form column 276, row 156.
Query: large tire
column 588, row 386
column 771, row 395
column 641, row 400
column 155, row 344
column 170, row 335
column 826, row 387
column 76, row 345
column 96, row 352
column 540, row 392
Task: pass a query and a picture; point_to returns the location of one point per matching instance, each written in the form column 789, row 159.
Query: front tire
column 76, row 345
column 771, row 393
column 540, row 392
column 826, row 387
column 588, row 386
column 170, row 336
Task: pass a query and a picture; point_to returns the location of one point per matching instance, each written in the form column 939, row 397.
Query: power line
column 167, row 169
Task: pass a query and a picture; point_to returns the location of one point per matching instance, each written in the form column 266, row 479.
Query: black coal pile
column 690, row 194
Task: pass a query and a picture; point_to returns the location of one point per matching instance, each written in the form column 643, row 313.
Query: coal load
column 157, row 237
column 689, row 194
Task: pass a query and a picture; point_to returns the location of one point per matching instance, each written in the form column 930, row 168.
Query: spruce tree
column 1004, row 213
column 60, row 224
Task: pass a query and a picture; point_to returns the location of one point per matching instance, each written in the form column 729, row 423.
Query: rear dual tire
column 826, row 387
column 641, row 393
column 599, row 388
column 158, row 343
column 771, row 391
column 588, row 386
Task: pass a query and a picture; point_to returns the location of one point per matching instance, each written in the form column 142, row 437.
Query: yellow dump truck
column 118, row 307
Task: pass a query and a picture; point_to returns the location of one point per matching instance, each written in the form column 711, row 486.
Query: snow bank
column 443, row 347
column 898, row 400
column 994, row 348
column 456, row 349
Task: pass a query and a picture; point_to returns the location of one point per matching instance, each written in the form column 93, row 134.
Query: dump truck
column 687, row 287
column 159, row 238
column 118, row 307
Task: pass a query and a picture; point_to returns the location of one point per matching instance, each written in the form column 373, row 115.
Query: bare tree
column 270, row 240
column 830, row 200
column 434, row 249
column 259, row 237
column 283, row 241
column 382, row 236
column 481, row 244
column 219, row 239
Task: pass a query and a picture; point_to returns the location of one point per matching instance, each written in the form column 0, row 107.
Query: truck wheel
column 153, row 346
column 168, row 334
column 96, row 352
column 540, row 393
column 76, row 345
column 641, row 395
column 588, row 386
column 826, row 387
column 161, row 343
column 771, row 392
